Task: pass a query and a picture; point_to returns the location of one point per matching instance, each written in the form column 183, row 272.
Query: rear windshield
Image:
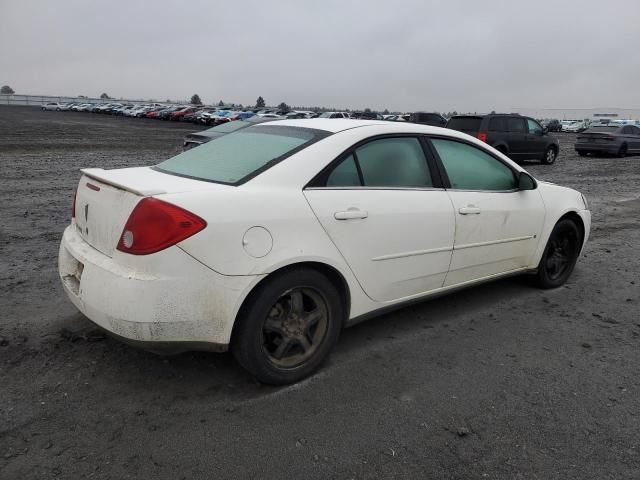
column 465, row 124
column 235, row 158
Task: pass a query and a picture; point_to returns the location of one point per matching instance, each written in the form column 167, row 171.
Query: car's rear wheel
column 560, row 255
column 622, row 152
column 582, row 153
column 549, row 156
column 288, row 326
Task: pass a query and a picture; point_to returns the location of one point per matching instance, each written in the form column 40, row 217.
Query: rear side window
column 469, row 168
column 516, row 125
column 238, row 156
column 397, row 162
column 498, row 124
column 345, row 174
column 465, row 124
column 394, row 162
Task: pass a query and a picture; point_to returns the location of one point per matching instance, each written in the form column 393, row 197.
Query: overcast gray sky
column 396, row 54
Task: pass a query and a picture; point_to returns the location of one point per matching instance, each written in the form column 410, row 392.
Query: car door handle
column 469, row 210
column 350, row 214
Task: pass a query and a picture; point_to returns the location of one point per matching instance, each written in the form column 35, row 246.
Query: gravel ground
column 499, row 381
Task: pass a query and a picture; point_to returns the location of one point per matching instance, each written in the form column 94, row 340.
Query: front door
column 497, row 226
column 536, row 139
column 391, row 222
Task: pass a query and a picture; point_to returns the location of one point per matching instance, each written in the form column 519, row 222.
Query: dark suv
column 518, row 137
column 426, row 118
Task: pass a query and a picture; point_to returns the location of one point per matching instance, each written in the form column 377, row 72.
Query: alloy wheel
column 550, row 156
column 561, row 254
column 295, row 327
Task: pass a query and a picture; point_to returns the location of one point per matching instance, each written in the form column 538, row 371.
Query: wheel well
column 328, row 271
column 575, row 218
column 502, row 148
column 555, row 149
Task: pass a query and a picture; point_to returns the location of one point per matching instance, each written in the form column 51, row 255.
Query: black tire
column 622, row 152
column 582, row 153
column 550, row 155
column 560, row 255
column 288, row 326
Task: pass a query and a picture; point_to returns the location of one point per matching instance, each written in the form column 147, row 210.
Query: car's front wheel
column 288, row 326
column 549, row 156
column 560, row 255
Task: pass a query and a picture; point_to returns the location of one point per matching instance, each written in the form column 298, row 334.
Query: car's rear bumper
column 170, row 300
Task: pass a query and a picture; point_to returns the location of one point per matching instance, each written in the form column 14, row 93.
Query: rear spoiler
column 118, row 178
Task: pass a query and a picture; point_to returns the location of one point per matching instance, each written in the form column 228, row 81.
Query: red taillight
column 155, row 225
column 73, row 205
column 482, row 137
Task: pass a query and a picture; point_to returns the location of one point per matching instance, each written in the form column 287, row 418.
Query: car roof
column 335, row 125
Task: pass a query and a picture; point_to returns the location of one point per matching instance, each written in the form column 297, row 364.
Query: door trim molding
column 414, row 253
column 493, row 242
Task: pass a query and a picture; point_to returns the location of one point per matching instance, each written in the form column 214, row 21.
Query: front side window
column 469, row 168
column 238, row 156
column 397, row 162
column 534, row 127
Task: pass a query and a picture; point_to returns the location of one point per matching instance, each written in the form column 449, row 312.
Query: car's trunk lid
column 106, row 198
column 595, row 137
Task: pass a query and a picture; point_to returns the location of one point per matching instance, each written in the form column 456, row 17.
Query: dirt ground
column 502, row 381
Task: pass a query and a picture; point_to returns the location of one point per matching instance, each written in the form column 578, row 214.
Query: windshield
column 233, row 159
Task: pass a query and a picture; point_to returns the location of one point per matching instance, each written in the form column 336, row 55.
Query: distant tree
column 260, row 102
column 104, row 96
column 7, row 90
column 195, row 99
column 284, row 107
column 221, row 103
column 368, row 110
column 386, row 111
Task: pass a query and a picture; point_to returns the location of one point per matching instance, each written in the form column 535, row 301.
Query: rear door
column 632, row 138
column 385, row 209
column 518, row 131
column 497, row 226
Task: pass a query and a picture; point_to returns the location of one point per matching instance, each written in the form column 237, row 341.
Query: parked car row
column 519, row 137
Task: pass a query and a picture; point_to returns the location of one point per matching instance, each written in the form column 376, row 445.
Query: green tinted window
column 233, row 157
column 345, row 174
column 534, row 127
column 394, row 162
column 469, row 168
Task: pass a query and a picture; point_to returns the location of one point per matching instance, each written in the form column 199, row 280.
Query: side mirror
column 545, row 130
column 526, row 182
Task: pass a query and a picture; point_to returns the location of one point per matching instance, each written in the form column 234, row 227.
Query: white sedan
column 52, row 106
column 271, row 239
